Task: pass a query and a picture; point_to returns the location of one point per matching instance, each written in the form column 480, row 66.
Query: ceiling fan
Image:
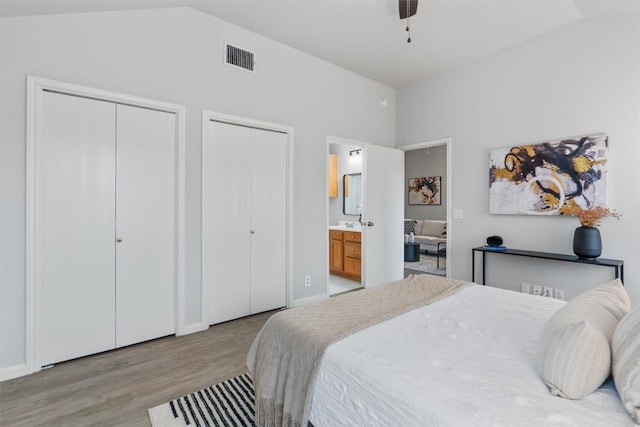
column 407, row 9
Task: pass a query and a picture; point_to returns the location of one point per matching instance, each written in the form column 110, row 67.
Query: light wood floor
column 116, row 388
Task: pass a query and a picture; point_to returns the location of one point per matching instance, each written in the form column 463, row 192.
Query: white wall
column 582, row 78
column 176, row 55
column 425, row 162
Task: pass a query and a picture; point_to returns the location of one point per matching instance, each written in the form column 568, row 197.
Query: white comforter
column 467, row 360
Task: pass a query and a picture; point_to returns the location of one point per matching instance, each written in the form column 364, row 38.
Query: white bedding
column 467, row 360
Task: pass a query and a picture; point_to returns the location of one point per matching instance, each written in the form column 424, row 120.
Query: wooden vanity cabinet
column 345, row 251
column 336, row 253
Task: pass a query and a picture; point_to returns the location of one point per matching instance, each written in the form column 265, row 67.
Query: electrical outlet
column 537, row 290
column 558, row 294
column 548, row 292
column 525, row 288
column 307, row 281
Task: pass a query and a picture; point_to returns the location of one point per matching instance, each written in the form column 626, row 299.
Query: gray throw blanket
column 285, row 356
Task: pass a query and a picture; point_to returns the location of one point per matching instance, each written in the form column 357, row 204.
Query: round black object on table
column 412, row 252
column 494, row 241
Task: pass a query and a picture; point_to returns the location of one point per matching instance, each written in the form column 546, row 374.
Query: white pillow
column 625, row 349
column 575, row 348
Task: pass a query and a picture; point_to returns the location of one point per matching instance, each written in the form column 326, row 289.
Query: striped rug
column 229, row 403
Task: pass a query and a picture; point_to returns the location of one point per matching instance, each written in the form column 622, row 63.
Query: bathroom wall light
column 355, row 152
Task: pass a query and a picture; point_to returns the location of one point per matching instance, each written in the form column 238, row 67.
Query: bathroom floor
column 339, row 285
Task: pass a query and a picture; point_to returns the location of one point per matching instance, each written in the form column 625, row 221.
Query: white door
column 383, row 215
column 145, row 226
column 226, row 220
column 268, row 190
column 244, row 177
column 76, row 246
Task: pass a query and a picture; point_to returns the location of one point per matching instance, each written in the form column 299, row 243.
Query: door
column 145, row 230
column 76, row 246
column 383, row 215
column 107, row 236
column 244, row 181
column 268, row 219
column 225, row 220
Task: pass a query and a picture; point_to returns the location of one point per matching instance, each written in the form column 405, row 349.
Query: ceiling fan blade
column 407, row 8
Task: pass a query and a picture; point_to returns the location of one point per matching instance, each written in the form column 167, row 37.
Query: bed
column 466, row 358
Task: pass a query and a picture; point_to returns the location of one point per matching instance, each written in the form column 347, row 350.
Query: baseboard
column 193, row 328
column 11, row 372
column 308, row 300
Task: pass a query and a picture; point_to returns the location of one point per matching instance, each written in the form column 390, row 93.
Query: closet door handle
column 119, row 239
column 253, row 232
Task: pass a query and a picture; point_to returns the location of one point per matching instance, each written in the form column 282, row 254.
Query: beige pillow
column 575, row 348
column 625, row 349
column 433, row 228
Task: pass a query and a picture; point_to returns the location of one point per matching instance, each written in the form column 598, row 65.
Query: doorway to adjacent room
column 427, row 206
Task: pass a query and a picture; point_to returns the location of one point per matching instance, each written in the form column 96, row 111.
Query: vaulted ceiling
column 367, row 36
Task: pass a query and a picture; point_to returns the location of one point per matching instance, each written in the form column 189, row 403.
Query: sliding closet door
column 145, row 228
column 226, row 228
column 268, row 220
column 76, row 244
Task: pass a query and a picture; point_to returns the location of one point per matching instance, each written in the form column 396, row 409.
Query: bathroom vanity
column 345, row 252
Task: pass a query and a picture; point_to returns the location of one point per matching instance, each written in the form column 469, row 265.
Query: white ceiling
column 367, row 36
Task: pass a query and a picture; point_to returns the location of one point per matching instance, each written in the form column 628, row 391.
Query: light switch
column 457, row 214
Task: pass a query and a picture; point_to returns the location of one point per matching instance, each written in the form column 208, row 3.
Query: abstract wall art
column 541, row 179
column 424, row 191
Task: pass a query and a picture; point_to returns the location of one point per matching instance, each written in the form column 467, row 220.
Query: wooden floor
column 116, row 388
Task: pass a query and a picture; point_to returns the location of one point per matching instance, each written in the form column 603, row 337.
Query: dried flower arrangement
column 589, row 217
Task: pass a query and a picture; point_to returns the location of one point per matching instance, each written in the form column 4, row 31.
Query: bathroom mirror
column 352, row 194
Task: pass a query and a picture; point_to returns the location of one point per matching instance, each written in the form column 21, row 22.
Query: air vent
column 240, row 58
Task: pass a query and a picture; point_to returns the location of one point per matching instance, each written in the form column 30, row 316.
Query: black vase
column 587, row 243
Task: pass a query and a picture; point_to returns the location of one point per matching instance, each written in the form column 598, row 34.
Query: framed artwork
column 424, row 191
column 541, row 179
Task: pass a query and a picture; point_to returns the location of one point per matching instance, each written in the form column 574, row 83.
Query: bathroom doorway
column 369, row 228
column 344, row 217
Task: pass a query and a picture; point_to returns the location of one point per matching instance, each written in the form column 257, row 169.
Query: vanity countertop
column 342, row 226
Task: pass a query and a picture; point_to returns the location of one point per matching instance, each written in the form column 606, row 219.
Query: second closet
column 244, row 219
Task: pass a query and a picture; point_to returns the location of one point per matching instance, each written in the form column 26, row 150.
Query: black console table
column 616, row 264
